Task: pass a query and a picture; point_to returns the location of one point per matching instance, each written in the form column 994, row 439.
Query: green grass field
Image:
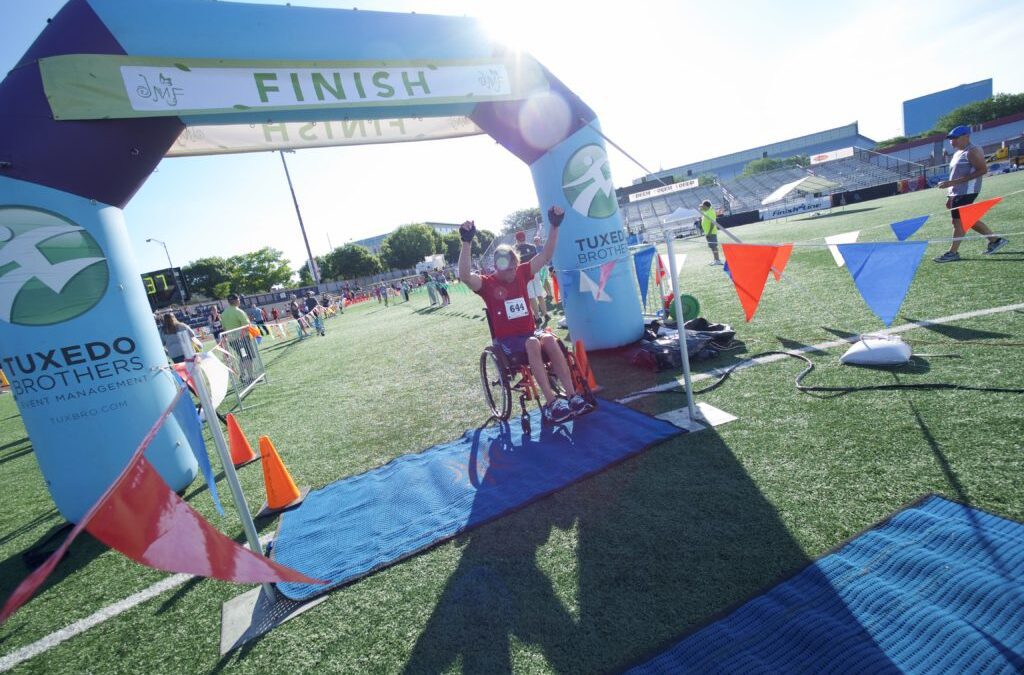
column 611, row 568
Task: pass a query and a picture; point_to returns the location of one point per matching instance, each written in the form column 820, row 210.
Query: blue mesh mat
column 937, row 588
column 357, row 525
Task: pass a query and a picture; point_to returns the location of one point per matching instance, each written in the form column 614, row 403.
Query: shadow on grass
column 839, row 333
column 83, row 550
column 799, row 346
column 664, row 540
column 25, row 449
column 959, row 332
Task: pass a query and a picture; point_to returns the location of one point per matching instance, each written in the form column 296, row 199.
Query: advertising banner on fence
column 831, row 156
column 783, row 210
column 664, row 190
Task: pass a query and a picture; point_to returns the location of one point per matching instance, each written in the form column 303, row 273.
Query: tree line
column 259, row 271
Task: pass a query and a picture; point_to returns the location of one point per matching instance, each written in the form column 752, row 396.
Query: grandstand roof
column 730, row 165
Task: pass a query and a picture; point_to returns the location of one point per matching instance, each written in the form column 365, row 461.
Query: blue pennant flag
column 725, row 268
column 642, row 261
column 882, row 272
column 905, row 228
column 188, row 419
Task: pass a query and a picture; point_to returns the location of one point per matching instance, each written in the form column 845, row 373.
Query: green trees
column 349, row 262
column 1000, row 105
column 453, row 244
column 520, row 220
column 252, row 272
column 769, row 164
column 409, row 245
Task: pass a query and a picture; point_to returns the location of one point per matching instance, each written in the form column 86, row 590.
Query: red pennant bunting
column 660, row 272
column 606, row 271
column 781, row 258
column 140, row 516
column 749, row 265
column 972, row 213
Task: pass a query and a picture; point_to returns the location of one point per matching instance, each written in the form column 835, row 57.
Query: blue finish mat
column 357, row 525
column 937, row 588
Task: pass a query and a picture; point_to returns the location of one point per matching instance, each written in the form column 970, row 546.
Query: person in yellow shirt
column 709, row 223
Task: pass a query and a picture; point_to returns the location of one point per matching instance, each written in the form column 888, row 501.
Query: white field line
column 18, row 656
column 53, row 639
column 718, row 372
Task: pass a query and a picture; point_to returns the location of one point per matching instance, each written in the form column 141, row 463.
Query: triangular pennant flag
column 781, row 258
column 587, row 285
column 606, row 271
column 905, row 228
column 728, row 272
column 844, row 238
column 972, row 213
column 748, row 266
column 642, row 262
column 188, row 419
column 140, row 516
column 662, row 270
column 882, row 272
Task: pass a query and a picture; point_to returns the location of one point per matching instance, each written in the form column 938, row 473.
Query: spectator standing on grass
column 431, row 288
column 442, row 289
column 966, row 167
column 296, row 312
column 709, row 224
column 214, row 321
column 241, row 343
column 257, row 318
column 177, row 338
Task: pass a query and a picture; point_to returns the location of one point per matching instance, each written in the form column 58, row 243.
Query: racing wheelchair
column 504, row 379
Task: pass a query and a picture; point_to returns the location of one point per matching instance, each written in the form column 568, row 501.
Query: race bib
column 515, row 308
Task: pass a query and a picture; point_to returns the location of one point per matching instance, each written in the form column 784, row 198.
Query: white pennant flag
column 844, row 238
column 588, row 285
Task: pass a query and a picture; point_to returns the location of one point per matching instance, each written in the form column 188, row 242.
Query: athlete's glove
column 555, row 215
column 467, row 231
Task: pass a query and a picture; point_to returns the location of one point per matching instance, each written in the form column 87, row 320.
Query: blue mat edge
column 653, row 653
column 327, row 588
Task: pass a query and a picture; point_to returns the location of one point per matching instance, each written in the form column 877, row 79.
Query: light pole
column 168, row 253
column 309, row 253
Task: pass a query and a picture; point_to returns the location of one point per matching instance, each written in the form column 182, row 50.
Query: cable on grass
column 846, row 390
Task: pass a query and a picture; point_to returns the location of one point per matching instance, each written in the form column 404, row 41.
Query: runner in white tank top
column 966, row 168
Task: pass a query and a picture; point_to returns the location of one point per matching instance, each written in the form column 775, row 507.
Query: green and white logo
column 587, row 182
column 51, row 270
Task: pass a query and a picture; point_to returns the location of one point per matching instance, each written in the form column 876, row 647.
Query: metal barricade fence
column 242, row 356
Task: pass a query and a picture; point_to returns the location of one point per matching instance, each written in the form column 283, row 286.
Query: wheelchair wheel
column 494, row 378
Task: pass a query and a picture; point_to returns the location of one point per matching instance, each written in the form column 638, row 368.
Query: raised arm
column 555, row 216
column 467, row 232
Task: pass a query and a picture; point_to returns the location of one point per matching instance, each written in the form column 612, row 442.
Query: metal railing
column 241, row 354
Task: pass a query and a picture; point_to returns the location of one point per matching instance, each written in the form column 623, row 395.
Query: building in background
column 920, row 114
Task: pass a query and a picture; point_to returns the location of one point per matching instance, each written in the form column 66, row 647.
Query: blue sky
column 671, row 81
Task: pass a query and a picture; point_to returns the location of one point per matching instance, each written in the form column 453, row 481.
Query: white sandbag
column 877, row 350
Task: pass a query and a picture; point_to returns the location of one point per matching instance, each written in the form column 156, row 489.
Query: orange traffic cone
column 282, row 492
column 238, row 444
column 584, row 364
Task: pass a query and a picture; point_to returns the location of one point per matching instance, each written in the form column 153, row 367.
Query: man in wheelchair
column 511, row 315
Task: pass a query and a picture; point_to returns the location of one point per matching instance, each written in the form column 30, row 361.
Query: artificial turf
column 608, row 569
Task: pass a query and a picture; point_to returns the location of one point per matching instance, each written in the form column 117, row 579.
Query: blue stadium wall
column 920, row 114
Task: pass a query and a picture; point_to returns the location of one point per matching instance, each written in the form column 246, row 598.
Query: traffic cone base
column 238, row 444
column 282, row 492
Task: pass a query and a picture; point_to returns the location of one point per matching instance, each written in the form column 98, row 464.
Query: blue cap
column 962, row 130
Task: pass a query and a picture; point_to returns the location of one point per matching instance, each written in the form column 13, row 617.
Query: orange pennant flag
column 749, row 266
column 972, row 213
column 781, row 258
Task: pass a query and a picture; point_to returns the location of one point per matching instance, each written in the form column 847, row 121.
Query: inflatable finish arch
column 112, row 86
